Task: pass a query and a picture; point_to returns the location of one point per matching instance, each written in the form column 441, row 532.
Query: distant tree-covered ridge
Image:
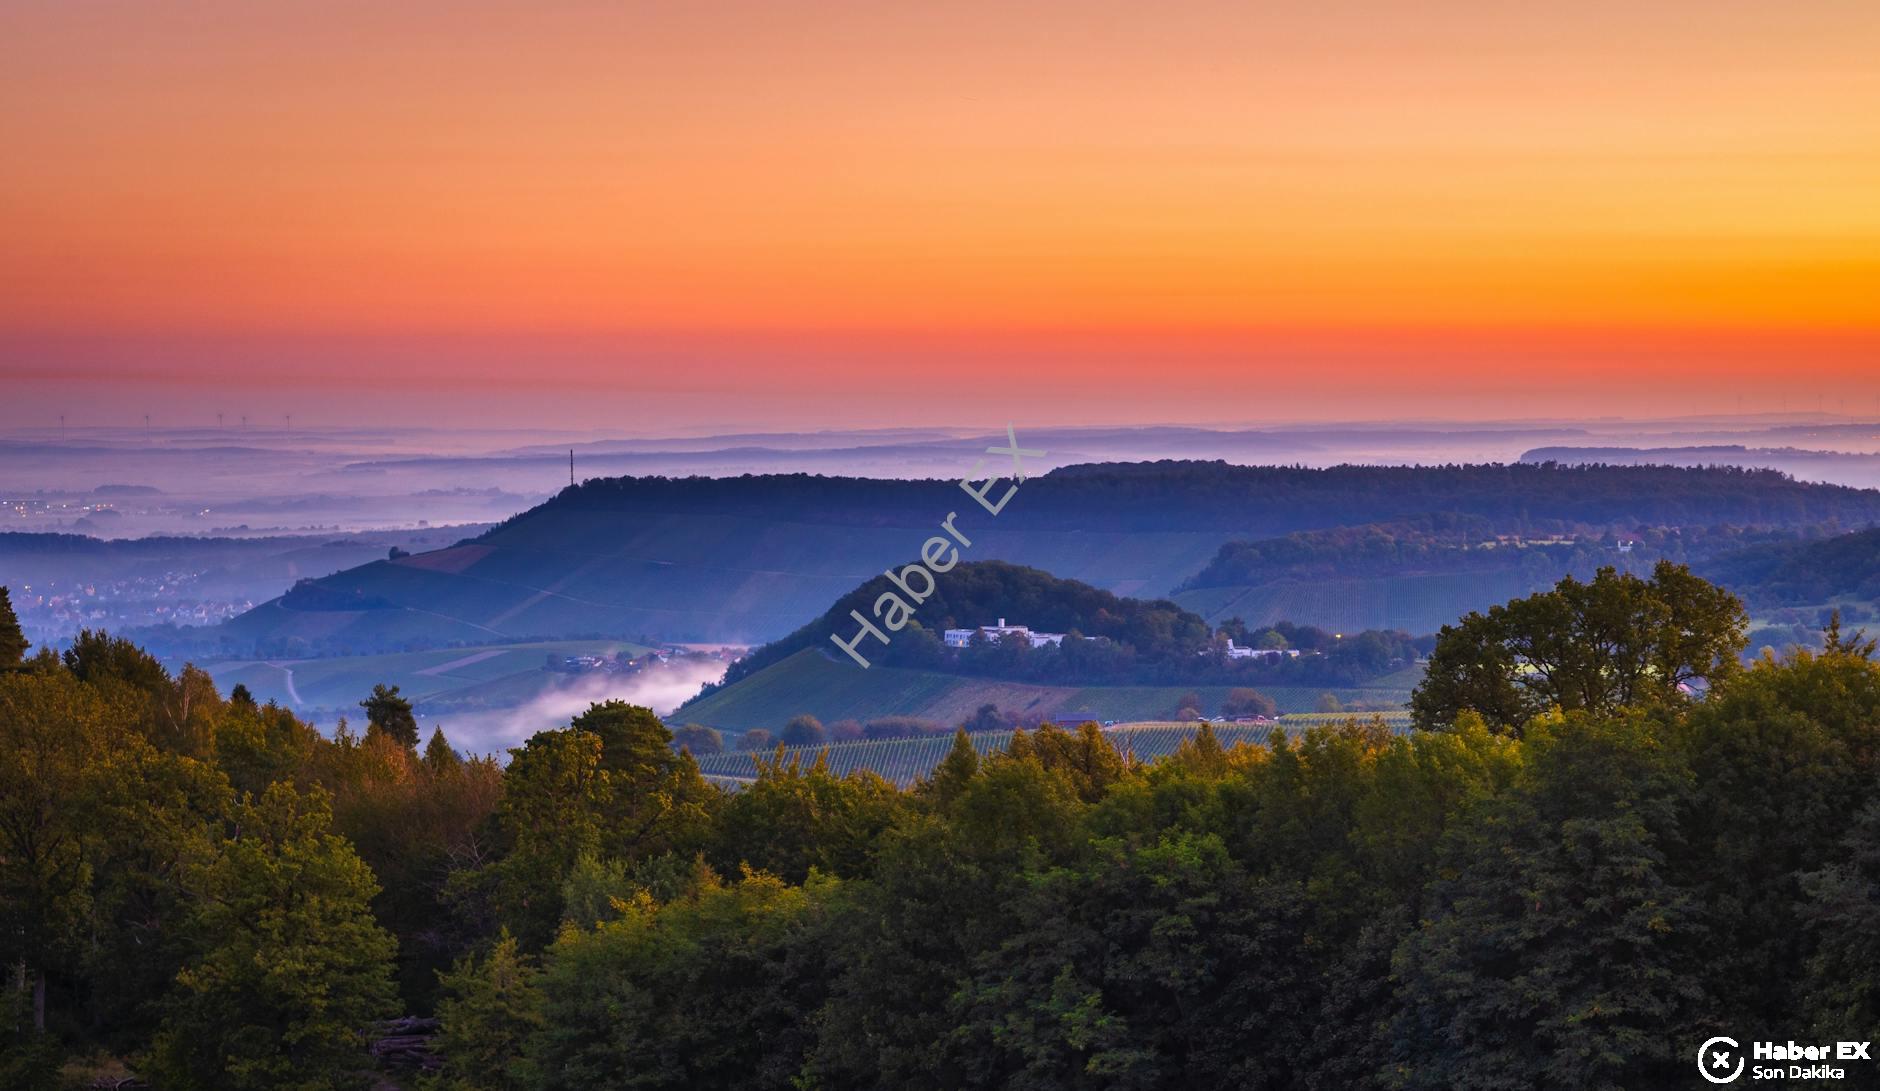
column 1276, row 499
column 749, row 559
column 1444, row 543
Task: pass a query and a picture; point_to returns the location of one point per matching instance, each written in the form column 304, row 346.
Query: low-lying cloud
column 662, row 689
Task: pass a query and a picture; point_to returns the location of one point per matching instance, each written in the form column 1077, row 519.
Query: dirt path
column 478, row 657
column 287, row 673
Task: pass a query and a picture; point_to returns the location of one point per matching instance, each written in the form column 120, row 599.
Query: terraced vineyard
column 830, row 690
column 904, row 761
column 1396, row 721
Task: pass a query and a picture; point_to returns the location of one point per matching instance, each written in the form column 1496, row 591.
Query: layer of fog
column 129, row 482
column 662, row 689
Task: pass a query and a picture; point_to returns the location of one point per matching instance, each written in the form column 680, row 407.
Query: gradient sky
column 814, row 213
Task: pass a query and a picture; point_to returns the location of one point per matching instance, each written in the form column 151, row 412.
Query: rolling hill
column 748, row 559
column 1845, row 566
column 1410, row 577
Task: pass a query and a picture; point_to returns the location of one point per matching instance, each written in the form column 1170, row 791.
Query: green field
column 838, row 690
column 905, row 760
column 495, row 676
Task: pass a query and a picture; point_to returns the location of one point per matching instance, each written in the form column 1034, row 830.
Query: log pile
column 406, row 1044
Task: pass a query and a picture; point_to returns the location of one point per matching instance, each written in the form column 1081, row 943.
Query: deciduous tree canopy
column 1614, row 642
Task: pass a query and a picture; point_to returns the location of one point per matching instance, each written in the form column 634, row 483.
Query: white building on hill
column 1235, row 651
column 961, row 638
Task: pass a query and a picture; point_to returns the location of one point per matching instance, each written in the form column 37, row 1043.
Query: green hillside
column 1418, row 575
column 810, row 681
column 707, row 578
column 495, row 675
column 1421, row 603
column 1843, row 567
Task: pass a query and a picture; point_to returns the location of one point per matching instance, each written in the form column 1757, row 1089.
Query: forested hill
column 1269, row 499
column 981, row 593
column 1797, row 573
column 1418, row 575
column 750, row 559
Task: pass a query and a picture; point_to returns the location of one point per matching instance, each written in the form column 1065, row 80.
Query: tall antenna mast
column 571, row 467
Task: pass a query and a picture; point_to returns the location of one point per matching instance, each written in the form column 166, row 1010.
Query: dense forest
column 1574, row 897
column 1804, row 572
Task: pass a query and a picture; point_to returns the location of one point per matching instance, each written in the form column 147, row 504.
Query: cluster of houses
column 611, row 664
column 1235, row 651
column 963, row 638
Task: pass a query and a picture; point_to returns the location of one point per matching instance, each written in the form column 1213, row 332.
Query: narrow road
column 293, row 694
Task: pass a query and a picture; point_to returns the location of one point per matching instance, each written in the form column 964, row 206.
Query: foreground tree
column 646, row 1001
column 1563, row 944
column 1594, row 647
column 290, row 967
column 1787, row 754
column 491, row 1007
column 55, row 734
column 13, row 643
column 1165, row 965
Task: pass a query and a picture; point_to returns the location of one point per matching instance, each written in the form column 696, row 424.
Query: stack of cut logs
column 406, row 1044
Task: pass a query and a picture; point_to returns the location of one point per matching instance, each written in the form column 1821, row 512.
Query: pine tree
column 387, row 712
column 489, row 1011
column 439, row 756
column 13, row 643
column 954, row 771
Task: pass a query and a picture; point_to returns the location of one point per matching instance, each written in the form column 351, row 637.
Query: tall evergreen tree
column 391, row 715
column 13, row 643
column 491, row 1008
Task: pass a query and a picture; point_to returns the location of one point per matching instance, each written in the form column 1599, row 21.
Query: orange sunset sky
column 660, row 216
